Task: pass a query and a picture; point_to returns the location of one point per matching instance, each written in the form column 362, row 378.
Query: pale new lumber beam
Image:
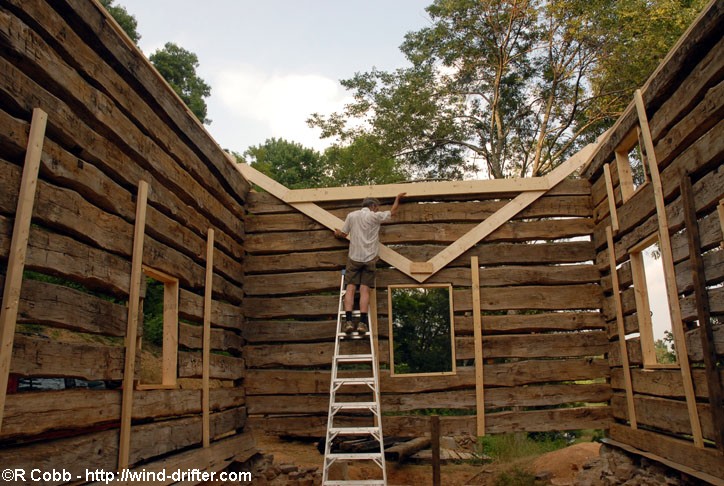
column 667, row 258
column 706, row 332
column 205, row 373
column 440, row 188
column 621, row 328
column 611, row 197
column 478, row 336
column 124, row 445
column 19, row 248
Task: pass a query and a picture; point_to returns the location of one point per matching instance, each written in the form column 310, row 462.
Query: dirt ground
column 555, row 468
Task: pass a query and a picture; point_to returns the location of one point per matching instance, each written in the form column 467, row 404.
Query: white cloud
column 279, row 104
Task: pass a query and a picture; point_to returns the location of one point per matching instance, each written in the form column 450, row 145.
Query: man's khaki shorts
column 359, row 273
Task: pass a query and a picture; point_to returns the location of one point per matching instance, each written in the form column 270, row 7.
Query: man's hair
column 370, row 201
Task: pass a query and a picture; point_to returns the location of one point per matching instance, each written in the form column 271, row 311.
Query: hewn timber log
column 495, row 398
column 111, row 122
column 221, row 367
column 663, row 383
column 676, row 450
column 410, row 426
column 664, row 414
column 487, row 253
column 191, row 337
column 31, row 414
column 518, row 373
column 100, row 450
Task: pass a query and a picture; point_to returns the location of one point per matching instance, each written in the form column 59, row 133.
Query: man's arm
column 396, row 204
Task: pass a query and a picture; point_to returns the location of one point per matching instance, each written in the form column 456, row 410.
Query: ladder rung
column 354, row 482
column 353, row 358
column 355, row 430
column 362, row 456
column 354, row 405
column 358, row 380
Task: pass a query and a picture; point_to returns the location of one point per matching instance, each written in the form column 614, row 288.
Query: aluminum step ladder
column 354, row 366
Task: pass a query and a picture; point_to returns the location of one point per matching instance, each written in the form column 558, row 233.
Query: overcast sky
column 272, row 63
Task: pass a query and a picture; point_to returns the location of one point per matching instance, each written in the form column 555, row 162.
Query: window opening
column 421, row 329
column 632, row 165
column 158, row 341
column 652, row 304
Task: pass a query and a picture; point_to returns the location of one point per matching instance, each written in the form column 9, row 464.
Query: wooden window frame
column 643, row 306
column 169, row 365
column 623, row 164
column 390, row 320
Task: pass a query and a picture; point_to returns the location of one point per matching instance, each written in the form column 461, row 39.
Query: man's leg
column 349, row 307
column 364, row 304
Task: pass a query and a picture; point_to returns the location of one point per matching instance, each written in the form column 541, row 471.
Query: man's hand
column 338, row 233
column 396, row 204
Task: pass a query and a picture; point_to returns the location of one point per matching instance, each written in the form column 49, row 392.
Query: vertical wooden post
column 616, row 292
column 205, row 394
column 435, row 446
column 667, row 258
column 706, row 333
column 478, row 335
column 19, row 248
column 720, row 210
column 132, row 328
column 611, row 197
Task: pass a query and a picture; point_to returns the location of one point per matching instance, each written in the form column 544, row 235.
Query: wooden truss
column 529, row 189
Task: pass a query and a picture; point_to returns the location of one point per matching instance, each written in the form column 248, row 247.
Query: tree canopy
column 515, row 86
column 178, row 67
column 127, row 21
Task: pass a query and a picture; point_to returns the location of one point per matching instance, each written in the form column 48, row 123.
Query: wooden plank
column 664, row 414
column 611, row 197
column 517, row 373
column 162, row 164
column 662, row 382
column 32, row 414
column 685, row 469
column 19, row 248
column 681, row 451
column 132, row 330
column 205, row 395
column 151, row 440
column 716, row 398
column 720, row 211
column 643, row 307
column 190, row 365
column 443, row 188
column 668, row 263
column 410, row 426
column 478, row 335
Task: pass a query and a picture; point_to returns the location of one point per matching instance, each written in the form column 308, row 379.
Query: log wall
column 684, row 104
column 543, row 335
column 112, row 122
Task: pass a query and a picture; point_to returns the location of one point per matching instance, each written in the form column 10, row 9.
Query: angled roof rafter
column 530, row 190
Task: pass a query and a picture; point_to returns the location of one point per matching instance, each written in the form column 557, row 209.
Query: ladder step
column 353, row 358
column 354, row 405
column 354, row 381
column 362, row 456
column 355, row 430
column 354, row 482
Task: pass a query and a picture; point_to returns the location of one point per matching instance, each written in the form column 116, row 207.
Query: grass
column 509, row 447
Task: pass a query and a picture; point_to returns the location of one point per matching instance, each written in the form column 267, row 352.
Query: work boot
column 362, row 328
column 349, row 327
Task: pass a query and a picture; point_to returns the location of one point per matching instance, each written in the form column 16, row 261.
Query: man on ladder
column 363, row 228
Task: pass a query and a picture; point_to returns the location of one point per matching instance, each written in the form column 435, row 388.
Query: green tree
column 127, row 21
column 289, row 163
column 421, row 330
column 515, row 85
column 362, row 162
column 178, row 67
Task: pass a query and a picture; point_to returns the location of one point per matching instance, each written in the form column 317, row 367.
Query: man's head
column 371, row 202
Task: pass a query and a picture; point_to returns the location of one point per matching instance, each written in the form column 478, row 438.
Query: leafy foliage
column 178, row 67
column 153, row 312
column 514, row 85
column 421, row 330
column 128, row 22
column 288, row 163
